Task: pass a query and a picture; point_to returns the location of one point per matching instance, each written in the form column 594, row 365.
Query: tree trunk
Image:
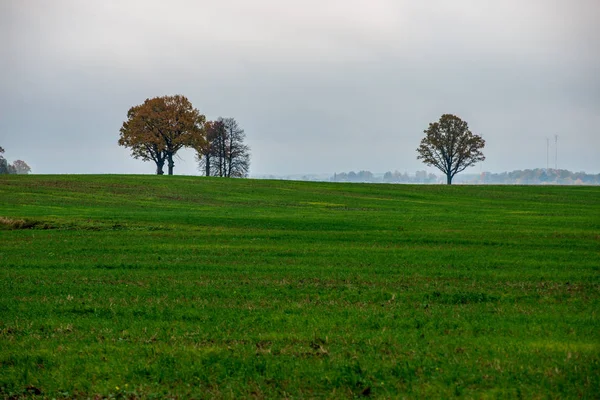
column 159, row 168
column 449, row 178
column 223, row 158
column 221, row 164
column 171, row 164
column 207, row 166
column 230, row 155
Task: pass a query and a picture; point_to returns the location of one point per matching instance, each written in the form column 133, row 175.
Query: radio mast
column 547, row 153
column 555, row 151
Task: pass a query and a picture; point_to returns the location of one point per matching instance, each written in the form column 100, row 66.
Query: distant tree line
column 538, row 176
column 157, row 129
column 388, row 177
column 19, row 167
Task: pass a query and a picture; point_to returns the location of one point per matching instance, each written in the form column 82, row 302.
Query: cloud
column 319, row 86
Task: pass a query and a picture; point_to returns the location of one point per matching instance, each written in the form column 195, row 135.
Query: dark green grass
column 144, row 286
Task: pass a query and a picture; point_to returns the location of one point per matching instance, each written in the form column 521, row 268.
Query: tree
column 224, row 152
column 238, row 153
column 158, row 128
column 206, row 149
column 21, row 167
column 3, row 163
column 450, row 146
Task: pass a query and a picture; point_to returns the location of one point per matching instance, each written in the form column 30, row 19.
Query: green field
column 156, row 286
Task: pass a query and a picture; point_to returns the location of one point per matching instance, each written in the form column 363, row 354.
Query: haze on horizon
column 319, row 86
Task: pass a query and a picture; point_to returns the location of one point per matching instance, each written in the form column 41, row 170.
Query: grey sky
column 319, row 86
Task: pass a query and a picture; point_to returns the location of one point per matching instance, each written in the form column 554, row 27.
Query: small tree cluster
column 19, row 167
column 538, row 176
column 223, row 152
column 388, row 177
column 157, row 129
column 361, row 176
column 419, row 177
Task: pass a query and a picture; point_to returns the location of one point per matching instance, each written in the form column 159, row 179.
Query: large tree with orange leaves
column 158, row 128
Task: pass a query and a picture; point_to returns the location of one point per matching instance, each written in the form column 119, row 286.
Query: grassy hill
column 148, row 286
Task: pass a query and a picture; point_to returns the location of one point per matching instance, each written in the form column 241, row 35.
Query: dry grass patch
column 12, row 223
column 7, row 223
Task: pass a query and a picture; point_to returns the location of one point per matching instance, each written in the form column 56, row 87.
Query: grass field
column 149, row 286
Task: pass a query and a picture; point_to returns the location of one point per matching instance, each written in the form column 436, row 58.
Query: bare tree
column 238, row 154
column 21, row 167
column 450, row 146
column 224, row 153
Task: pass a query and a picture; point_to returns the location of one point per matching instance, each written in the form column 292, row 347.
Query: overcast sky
column 320, row 86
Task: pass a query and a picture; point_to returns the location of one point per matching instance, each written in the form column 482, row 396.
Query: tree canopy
column 450, row 146
column 161, row 126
